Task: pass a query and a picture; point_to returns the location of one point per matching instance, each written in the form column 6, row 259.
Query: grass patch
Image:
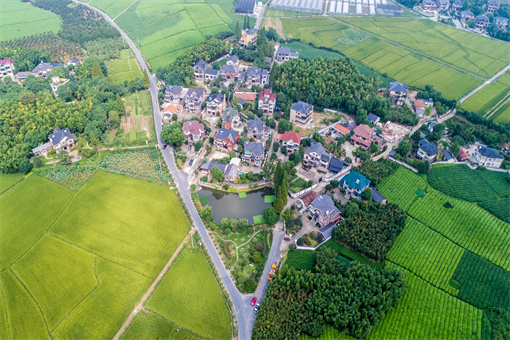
column 28, row 210
column 8, row 180
column 301, row 259
column 242, row 195
column 258, row 219
column 269, row 199
column 204, row 200
column 351, row 254
column 134, row 212
column 189, row 296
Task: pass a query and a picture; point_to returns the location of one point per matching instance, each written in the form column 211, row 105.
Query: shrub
column 226, row 186
column 292, row 247
column 204, row 178
column 193, row 187
column 300, row 241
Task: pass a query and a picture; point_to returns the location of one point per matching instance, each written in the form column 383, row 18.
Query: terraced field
column 79, row 262
column 164, row 30
column 413, row 51
column 19, row 19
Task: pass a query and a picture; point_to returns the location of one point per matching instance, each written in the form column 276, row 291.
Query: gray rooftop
column 376, row 195
column 315, row 147
column 201, row 63
column 41, row 147
column 59, row 134
column 429, row 148
column 302, row 107
column 326, row 205
column 210, row 165
column 257, row 149
column 398, row 86
column 227, row 134
column 255, row 124
column 490, row 153
column 212, row 72
column 284, row 50
column 372, row 118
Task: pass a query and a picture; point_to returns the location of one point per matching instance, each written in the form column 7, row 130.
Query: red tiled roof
column 418, row 104
column 193, row 126
column 267, row 92
column 173, row 108
column 364, row 131
column 463, row 155
column 6, row 61
column 249, row 96
column 309, row 197
column 342, row 128
column 287, row 136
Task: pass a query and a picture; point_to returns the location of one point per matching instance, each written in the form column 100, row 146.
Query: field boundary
column 6, row 312
column 12, row 186
column 124, row 10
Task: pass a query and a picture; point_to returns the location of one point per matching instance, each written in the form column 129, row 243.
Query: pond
column 231, row 206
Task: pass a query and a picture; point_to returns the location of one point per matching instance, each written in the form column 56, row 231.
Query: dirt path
column 148, row 293
column 125, row 9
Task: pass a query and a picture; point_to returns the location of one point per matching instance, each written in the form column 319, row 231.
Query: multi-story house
column 457, row 5
column 323, row 211
column 466, row 15
column 291, row 141
column 230, row 118
column 284, row 54
column 301, row 113
column 6, row 67
column 253, row 153
column 226, row 139
column 215, row 104
column 193, row 131
column 62, row 139
column 256, row 76
column 443, row 5
column 193, row 99
column 482, row 22
column 398, row 91
column 429, row 5
column 173, row 94
column 229, row 72
column 267, row 102
column 233, row 60
column 363, row 135
column 500, row 22
column 316, row 156
column 199, row 68
column 427, row 151
column 248, row 36
column 492, row 6
column 487, row 157
column 211, row 74
column 42, row 70
column 354, row 184
column 255, row 128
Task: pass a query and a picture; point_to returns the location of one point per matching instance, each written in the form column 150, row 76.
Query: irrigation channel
column 234, row 205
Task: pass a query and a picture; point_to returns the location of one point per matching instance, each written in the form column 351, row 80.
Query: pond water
column 231, row 206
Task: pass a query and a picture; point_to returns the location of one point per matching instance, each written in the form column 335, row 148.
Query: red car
column 253, row 301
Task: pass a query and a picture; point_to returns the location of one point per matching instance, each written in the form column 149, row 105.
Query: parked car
column 254, row 301
column 164, row 146
column 256, row 309
column 191, row 161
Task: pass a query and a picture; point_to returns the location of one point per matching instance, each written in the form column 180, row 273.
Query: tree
column 287, row 215
column 270, row 216
column 284, row 125
column 276, row 146
column 146, row 80
column 175, row 117
column 367, row 194
column 172, row 135
column 404, row 148
column 278, row 202
column 198, row 145
column 38, row 163
column 471, row 23
column 64, row 157
column 25, row 166
column 96, row 69
column 424, row 167
column 217, row 174
column 237, row 31
column 256, row 257
column 454, row 149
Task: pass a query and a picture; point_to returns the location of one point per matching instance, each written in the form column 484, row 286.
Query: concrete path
column 491, row 80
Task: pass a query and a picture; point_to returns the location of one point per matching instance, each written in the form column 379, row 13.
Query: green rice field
column 8, row 180
column 124, row 68
column 189, row 297
column 166, row 29
column 75, row 263
column 19, row 19
column 413, row 51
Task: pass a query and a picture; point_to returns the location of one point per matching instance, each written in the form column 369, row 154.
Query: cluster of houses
column 44, row 69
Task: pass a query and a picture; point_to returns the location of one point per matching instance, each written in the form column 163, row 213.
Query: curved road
column 241, row 302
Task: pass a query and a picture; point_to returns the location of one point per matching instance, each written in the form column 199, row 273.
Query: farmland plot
column 301, row 259
column 401, row 187
column 124, row 68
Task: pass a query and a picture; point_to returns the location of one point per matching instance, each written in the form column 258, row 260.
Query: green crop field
column 484, row 100
column 465, row 224
column 413, row 57
column 426, row 312
column 189, row 297
column 490, row 189
column 426, row 254
column 19, row 19
column 8, row 180
column 166, row 29
column 75, row 264
column 301, row 259
column 124, row 68
column 351, row 254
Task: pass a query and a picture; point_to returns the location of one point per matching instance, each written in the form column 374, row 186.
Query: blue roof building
column 354, row 184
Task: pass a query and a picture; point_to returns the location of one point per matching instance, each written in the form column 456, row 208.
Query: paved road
column 493, row 79
column 260, row 17
column 242, row 308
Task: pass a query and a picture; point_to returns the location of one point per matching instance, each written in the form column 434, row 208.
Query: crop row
column 301, row 259
column 427, row 254
column 467, row 225
column 426, row 312
column 401, row 187
column 351, row 254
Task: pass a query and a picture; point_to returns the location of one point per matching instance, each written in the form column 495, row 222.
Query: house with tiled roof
column 372, row 118
column 457, row 5
column 248, row 36
column 6, row 67
column 42, row 69
column 377, row 196
column 42, row 150
column 173, row 93
column 443, row 5
column 307, row 199
column 199, row 69
column 215, row 104
column 301, row 113
column 193, row 131
column 230, row 118
column 73, row 62
column 193, row 99
column 229, row 72
column 420, row 106
column 482, row 21
column 363, row 136
column 315, row 155
column 340, row 129
column 211, row 74
column 323, row 211
column 501, row 22
column 226, row 139
column 291, row 141
column 256, row 76
column 62, row 139
column 255, row 128
column 429, row 5
column 427, row 151
column 492, row 6
column 285, row 54
column 398, row 91
column 246, row 96
column 253, row 153
column 487, row 157
column 354, row 184
column 463, row 155
column 337, row 165
column 466, row 15
column 173, row 108
column 267, row 102
column 233, row 60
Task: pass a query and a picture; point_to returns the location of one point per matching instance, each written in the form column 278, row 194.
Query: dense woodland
column 351, row 297
column 370, row 228
column 334, row 83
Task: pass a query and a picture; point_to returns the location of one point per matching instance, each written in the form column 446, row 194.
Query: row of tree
column 350, row 297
